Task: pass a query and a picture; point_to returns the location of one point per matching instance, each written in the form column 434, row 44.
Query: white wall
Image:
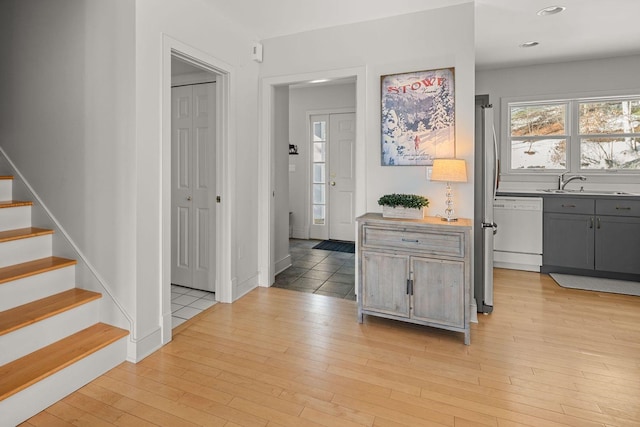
column 302, row 101
column 199, row 27
column 420, row 41
column 600, row 77
column 67, row 121
column 82, row 102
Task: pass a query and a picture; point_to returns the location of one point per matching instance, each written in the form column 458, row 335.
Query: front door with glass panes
column 333, row 176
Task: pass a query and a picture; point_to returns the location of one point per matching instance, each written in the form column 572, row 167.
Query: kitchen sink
column 589, row 192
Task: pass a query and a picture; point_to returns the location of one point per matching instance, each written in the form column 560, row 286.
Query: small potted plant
column 403, row 205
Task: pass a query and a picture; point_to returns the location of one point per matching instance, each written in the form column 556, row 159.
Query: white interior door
column 193, row 186
column 341, row 168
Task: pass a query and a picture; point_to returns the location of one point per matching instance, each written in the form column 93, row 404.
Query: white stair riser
column 6, row 189
column 17, row 217
column 21, row 406
column 40, row 334
column 22, row 291
column 23, row 250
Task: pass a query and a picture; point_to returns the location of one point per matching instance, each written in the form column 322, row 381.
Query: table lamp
column 449, row 170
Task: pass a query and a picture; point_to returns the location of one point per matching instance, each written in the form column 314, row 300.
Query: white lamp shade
column 449, row 170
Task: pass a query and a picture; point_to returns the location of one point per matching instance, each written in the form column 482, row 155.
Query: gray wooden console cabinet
column 416, row 271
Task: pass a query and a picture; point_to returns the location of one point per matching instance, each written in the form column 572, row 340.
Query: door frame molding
column 225, row 156
column 266, row 262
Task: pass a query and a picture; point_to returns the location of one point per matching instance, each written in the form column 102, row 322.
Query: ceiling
column 586, row 29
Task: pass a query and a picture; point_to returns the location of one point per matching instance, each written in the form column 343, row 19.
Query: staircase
column 51, row 340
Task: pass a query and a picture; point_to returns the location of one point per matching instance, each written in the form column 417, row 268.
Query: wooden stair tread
column 6, row 176
column 21, row 373
column 23, row 233
column 35, row 311
column 30, row 268
column 14, row 203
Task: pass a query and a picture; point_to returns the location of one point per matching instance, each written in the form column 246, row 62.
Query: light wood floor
column 547, row 356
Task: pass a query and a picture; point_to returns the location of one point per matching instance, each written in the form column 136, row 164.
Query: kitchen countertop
column 582, row 194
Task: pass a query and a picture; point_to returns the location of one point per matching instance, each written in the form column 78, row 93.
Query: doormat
column 597, row 284
column 337, row 246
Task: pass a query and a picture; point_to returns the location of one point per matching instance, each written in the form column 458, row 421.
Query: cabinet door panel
column 438, row 289
column 384, row 283
column 568, row 240
column 618, row 244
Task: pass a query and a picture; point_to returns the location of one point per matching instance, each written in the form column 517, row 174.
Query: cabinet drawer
column 619, row 207
column 569, row 205
column 437, row 242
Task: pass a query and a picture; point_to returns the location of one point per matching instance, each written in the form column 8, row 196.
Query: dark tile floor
column 317, row 271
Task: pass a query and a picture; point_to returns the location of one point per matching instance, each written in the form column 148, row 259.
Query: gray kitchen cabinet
column 416, row 271
column 591, row 234
column 617, row 236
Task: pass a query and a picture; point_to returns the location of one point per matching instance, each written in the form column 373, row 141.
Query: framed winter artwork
column 418, row 117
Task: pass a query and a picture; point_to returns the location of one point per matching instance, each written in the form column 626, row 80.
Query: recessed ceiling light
column 529, row 44
column 551, row 10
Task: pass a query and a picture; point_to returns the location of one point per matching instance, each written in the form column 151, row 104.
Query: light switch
column 292, row 168
column 429, row 169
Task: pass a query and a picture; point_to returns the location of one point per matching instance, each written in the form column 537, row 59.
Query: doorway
column 267, row 258
column 193, row 190
column 221, row 275
column 332, row 201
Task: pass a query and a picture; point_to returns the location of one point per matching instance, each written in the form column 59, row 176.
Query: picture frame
column 417, row 117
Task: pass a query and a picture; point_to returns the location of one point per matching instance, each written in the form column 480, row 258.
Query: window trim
column 573, row 139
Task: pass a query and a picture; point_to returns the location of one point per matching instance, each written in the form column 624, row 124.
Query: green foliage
column 404, row 200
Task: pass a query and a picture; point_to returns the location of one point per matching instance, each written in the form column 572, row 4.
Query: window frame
column 568, row 119
column 573, row 140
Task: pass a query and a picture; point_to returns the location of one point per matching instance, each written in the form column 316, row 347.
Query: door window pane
column 319, row 131
column 318, row 194
column 318, row 214
column 318, row 173
column 318, row 151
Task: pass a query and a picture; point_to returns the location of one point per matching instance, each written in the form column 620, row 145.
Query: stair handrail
column 92, row 269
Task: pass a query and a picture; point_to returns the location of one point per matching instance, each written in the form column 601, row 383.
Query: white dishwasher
column 518, row 241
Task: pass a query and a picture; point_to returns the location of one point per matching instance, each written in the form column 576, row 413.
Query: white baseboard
column 245, row 287
column 283, row 264
column 144, row 346
column 300, row 233
column 517, row 261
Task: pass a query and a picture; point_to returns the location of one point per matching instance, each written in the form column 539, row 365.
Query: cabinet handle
column 568, row 206
column 598, row 222
column 591, row 222
column 410, row 240
column 408, row 286
column 623, row 208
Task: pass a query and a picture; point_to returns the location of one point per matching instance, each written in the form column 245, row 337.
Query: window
column 539, row 136
column 609, row 133
column 575, row 135
column 319, row 141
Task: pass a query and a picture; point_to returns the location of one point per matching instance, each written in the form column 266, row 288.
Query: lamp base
column 444, row 218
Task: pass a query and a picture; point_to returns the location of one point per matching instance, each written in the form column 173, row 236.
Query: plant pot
column 401, row 212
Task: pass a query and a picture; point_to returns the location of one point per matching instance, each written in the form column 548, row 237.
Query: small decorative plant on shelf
column 403, row 205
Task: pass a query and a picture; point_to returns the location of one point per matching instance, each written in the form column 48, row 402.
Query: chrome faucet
column 562, row 182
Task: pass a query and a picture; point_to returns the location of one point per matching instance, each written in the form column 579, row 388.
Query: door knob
column 333, row 183
column 189, row 198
